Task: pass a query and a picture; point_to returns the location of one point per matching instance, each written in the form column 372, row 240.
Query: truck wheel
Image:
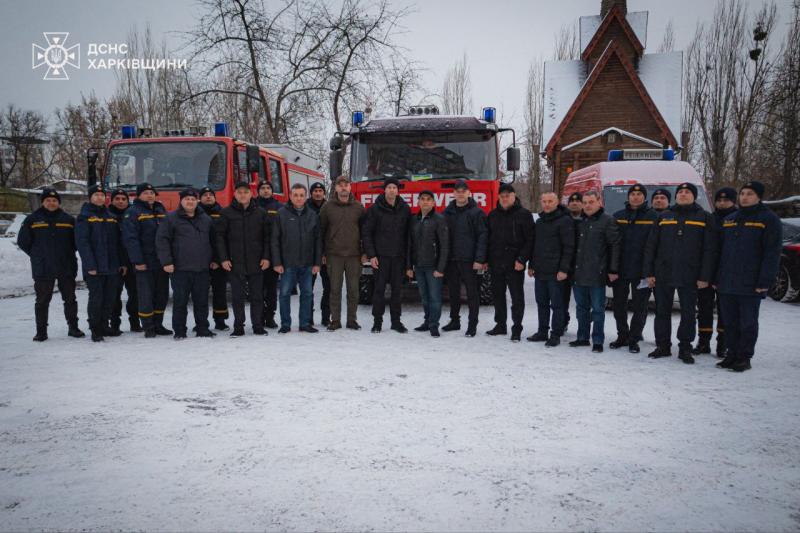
column 366, row 287
column 485, row 289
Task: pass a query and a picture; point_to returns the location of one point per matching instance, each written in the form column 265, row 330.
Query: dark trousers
column 44, row 293
column 128, row 282
column 219, row 296
column 590, row 309
column 347, row 270
column 152, row 287
column 513, row 280
column 390, row 272
column 325, row 301
column 102, row 295
column 621, row 289
column 566, row 290
column 430, row 292
column 550, row 306
column 707, row 300
column 687, row 296
column 254, row 284
column 194, row 284
column 270, row 290
column 740, row 314
column 459, row 272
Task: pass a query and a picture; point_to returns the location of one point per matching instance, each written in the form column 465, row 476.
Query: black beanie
column 686, row 186
column 189, row 191
column 49, row 192
column 119, row 192
column 575, row 197
column 207, row 189
column 725, row 193
column 317, row 185
column 391, row 181
column 144, row 187
column 756, row 186
column 664, row 192
column 506, row 187
column 637, row 187
column 95, row 188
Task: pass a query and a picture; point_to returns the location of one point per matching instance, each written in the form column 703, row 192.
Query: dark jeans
column 590, row 309
column 513, row 280
column 707, row 300
column 219, row 294
column 621, row 289
column 459, row 272
column 128, row 282
column 325, row 301
column 663, row 322
column 102, row 295
column 741, row 323
column 44, row 293
column 194, row 284
column 430, row 291
column 153, row 290
column 550, row 297
column 291, row 278
column 347, row 269
column 270, row 290
column 253, row 284
column 390, row 272
column 566, row 290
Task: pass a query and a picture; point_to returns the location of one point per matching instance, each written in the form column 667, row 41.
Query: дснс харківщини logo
column 56, row 56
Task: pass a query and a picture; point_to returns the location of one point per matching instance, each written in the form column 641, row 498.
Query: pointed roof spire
column 606, row 5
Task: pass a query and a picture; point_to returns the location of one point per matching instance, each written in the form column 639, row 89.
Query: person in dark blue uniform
column 97, row 236
column 750, row 250
column 48, row 237
column 139, row 235
column 266, row 201
column 219, row 295
column 119, row 205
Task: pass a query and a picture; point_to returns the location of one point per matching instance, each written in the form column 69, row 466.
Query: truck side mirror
column 512, row 158
column 336, row 142
column 253, row 156
column 91, row 166
column 335, row 164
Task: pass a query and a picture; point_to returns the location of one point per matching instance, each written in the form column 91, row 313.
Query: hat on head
column 755, row 186
column 426, row 192
column 144, row 187
column 637, row 187
column 575, row 197
column 506, row 187
column 686, row 186
column 391, row 181
column 264, row 182
column 119, row 192
column 49, row 192
column 316, row 185
column 207, row 189
column 461, row 184
column 725, row 193
column 663, row 192
column 342, row 179
column 97, row 187
column 189, row 191
column 242, row 185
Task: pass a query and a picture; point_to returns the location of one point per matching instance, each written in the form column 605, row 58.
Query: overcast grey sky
column 500, row 38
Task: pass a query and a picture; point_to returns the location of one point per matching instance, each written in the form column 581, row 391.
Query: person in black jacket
column 635, row 222
column 466, row 223
column 97, row 235
column 315, row 203
column 219, row 280
column 575, row 208
column 708, row 298
column 184, row 244
column 385, row 239
column 596, row 264
column 48, row 237
column 296, row 256
column 751, row 242
column 680, row 256
column 242, row 235
column 119, row 205
column 271, row 205
column 428, row 247
column 511, row 236
column 553, row 256
column 139, row 235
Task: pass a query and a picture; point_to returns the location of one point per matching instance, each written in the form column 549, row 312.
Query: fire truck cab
column 181, row 159
column 425, row 151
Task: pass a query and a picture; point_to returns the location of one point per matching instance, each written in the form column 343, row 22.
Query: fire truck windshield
column 425, row 155
column 167, row 164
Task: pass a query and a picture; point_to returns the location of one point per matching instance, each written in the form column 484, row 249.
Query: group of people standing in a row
column 263, row 248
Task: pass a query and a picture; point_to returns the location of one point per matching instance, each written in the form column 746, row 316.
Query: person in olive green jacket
column 340, row 225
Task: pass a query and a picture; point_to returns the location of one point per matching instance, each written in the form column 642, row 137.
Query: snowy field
column 355, row 431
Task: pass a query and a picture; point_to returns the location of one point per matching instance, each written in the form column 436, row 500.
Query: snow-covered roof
column 637, row 20
column 618, row 130
column 562, row 83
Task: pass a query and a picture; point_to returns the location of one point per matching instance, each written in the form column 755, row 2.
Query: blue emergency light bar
column 221, row 129
column 667, row 154
column 489, row 114
column 358, row 118
column 129, row 131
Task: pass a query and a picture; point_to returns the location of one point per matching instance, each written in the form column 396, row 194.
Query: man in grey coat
column 296, row 256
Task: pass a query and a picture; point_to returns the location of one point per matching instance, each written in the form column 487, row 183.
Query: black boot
column 377, row 325
column 471, row 330
column 516, row 333
column 597, row 348
column 150, row 333
column 220, row 325
column 659, row 352
column 538, row 337
column 633, row 347
column 269, row 322
column 136, row 327
column 353, row 325
column 619, row 343
column 161, row 330
column 728, row 362
column 422, row 327
column 41, row 335
column 41, row 323
column 434, row 331
column 553, row 341
column 74, row 331
column 577, row 344
column 497, row 330
column 112, row 331
column 685, row 353
column 703, row 347
column 205, row 333
column 721, row 351
column 97, row 335
column 741, row 365
column 453, row 325
column 238, row 331
column 399, row 327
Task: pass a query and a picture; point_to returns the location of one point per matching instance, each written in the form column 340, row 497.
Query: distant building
column 614, row 96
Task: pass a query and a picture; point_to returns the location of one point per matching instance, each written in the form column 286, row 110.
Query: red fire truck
column 180, row 158
column 424, row 150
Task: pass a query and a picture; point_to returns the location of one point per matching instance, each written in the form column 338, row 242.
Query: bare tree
column 567, row 43
column 401, row 84
column 457, row 89
column 532, row 136
column 668, row 40
column 24, row 161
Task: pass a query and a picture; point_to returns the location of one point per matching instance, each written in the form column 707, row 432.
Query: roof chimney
column 606, row 5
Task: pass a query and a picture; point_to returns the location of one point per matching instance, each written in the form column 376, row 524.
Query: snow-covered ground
column 355, row 431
